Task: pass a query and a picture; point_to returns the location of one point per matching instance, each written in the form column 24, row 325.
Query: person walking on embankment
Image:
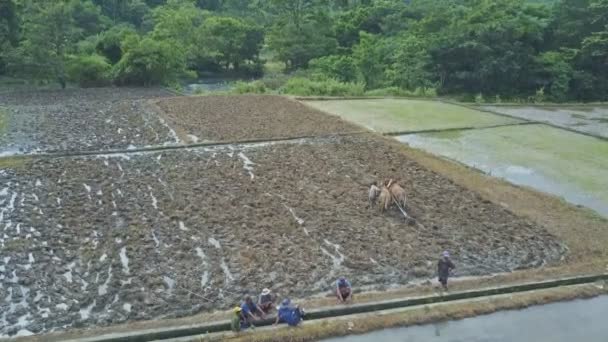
column 444, row 266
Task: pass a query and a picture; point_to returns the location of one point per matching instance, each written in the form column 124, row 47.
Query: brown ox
column 384, row 199
column 398, row 194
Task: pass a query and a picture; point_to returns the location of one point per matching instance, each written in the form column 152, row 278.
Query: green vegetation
column 329, row 87
column 398, row 115
column 88, row 71
column 3, row 120
column 14, row 162
column 540, row 50
column 550, row 159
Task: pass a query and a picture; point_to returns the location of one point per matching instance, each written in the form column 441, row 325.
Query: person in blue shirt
column 344, row 290
column 289, row 313
column 250, row 310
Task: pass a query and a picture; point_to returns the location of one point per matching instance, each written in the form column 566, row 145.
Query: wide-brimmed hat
column 237, row 309
column 265, row 292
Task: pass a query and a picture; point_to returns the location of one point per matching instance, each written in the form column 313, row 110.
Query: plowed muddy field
column 98, row 241
column 108, row 238
column 229, row 118
column 80, row 120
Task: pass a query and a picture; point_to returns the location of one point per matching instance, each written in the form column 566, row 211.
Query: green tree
column 9, row 28
column 489, row 48
column 49, row 34
column 177, row 22
column 149, row 62
column 593, row 60
column 109, row 43
column 89, row 70
column 572, row 21
column 556, row 73
column 369, row 56
column 301, row 31
column 88, row 17
column 130, row 11
column 230, row 41
column 341, row 68
column 410, row 62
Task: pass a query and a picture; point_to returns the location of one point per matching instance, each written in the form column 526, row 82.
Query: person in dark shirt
column 344, row 290
column 266, row 300
column 250, row 310
column 444, row 266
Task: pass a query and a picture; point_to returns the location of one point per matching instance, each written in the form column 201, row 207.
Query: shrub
column 396, row 91
column 275, row 81
column 329, row 87
column 539, row 97
column 150, row 62
column 254, row 69
column 255, row 87
column 341, row 68
column 109, row 43
column 89, row 71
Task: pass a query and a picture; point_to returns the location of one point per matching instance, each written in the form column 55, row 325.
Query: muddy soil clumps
column 80, row 120
column 233, row 118
column 98, row 241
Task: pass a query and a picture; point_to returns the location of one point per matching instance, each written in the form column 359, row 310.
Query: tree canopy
column 508, row 48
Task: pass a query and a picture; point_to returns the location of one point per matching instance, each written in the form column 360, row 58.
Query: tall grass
column 255, row 87
column 328, row 87
column 395, row 91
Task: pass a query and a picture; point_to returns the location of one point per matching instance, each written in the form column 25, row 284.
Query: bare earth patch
column 80, row 120
column 233, row 118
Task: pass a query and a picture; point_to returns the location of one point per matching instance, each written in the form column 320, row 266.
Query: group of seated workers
column 249, row 311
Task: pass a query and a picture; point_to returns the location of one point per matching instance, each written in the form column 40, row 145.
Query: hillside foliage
column 488, row 48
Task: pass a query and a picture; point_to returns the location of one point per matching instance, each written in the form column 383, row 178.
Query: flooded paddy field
column 555, row 161
column 80, row 120
column 399, row 115
column 101, row 240
column 587, row 119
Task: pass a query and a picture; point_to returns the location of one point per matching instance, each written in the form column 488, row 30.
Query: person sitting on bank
column 444, row 266
column 288, row 313
column 250, row 310
column 266, row 301
column 344, row 290
column 237, row 321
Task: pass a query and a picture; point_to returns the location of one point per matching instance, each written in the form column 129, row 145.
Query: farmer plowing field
column 389, row 193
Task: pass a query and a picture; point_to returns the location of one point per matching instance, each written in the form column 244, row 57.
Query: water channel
column 579, row 320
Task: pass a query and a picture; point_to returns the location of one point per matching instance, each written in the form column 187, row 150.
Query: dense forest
column 552, row 50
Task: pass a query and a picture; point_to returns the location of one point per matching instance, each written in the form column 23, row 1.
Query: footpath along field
column 98, row 240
